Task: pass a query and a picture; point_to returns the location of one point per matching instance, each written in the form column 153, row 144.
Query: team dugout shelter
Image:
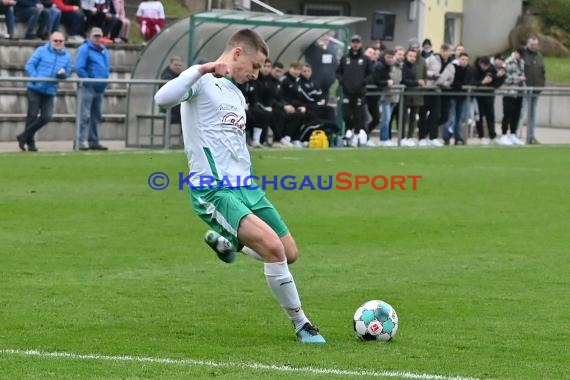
column 201, row 38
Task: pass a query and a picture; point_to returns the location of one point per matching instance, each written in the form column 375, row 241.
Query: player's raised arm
column 178, row 89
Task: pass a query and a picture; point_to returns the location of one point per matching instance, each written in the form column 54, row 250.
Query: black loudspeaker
column 383, row 24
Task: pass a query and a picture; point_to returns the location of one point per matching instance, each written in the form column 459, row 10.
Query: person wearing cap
column 512, row 103
column 92, row 61
column 51, row 60
column 352, row 74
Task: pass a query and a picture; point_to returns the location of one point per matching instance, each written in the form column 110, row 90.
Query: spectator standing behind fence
column 352, row 73
column 456, row 75
column 483, row 76
column 382, row 79
column 512, row 101
column 92, row 61
column 170, row 72
column 416, row 103
column 535, row 73
column 373, row 101
column 431, row 114
column 51, row 60
column 396, row 76
column 7, row 9
column 151, row 17
column 32, row 12
column 412, row 102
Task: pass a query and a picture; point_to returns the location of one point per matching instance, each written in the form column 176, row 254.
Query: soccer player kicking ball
column 213, row 126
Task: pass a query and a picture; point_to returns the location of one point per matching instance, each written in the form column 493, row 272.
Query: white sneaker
column 388, row 144
column 286, row 141
column 256, row 144
column 370, row 144
column 362, row 138
column 354, row 141
column 485, row 141
column 76, row 39
column 409, row 143
column 436, row 143
column 424, row 143
column 505, row 140
column 515, row 140
column 297, row 144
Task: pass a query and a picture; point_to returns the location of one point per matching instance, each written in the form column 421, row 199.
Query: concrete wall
column 486, row 24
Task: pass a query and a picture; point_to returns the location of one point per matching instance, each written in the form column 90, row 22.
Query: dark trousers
column 34, row 17
column 373, row 103
column 258, row 118
column 37, row 103
column 410, row 119
column 487, row 112
column 511, row 113
column 430, row 117
column 353, row 112
column 286, row 124
column 74, row 23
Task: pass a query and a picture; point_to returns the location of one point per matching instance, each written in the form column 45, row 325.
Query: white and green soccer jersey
column 213, row 126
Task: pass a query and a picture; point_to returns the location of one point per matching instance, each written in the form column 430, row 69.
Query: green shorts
column 224, row 209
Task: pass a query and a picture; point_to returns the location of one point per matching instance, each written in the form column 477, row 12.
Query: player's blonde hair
column 248, row 39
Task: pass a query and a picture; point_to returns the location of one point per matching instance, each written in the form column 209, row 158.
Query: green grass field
column 95, row 264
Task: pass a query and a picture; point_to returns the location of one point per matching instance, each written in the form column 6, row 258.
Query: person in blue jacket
column 51, row 60
column 92, row 61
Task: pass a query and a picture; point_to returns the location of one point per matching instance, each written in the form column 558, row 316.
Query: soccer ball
column 375, row 320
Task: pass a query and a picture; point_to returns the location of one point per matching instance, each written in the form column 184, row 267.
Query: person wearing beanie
column 427, row 48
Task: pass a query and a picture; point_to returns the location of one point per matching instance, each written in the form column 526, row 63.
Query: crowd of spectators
column 78, row 17
column 435, row 85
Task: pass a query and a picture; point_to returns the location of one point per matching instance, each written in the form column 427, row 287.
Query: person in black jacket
column 352, row 73
column 383, row 80
column 286, row 119
column 487, row 78
column 170, row 72
column 323, row 58
column 411, row 81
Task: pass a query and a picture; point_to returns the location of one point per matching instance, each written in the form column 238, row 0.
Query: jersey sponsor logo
column 234, row 120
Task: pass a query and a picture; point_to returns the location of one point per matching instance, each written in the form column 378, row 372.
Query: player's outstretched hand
column 219, row 69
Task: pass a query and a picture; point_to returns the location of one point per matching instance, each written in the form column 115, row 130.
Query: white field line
column 219, row 364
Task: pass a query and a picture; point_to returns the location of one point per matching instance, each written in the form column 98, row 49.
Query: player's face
column 247, row 65
column 307, row 72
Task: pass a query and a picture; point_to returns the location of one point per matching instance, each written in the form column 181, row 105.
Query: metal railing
column 469, row 92
column 397, row 91
column 77, row 80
